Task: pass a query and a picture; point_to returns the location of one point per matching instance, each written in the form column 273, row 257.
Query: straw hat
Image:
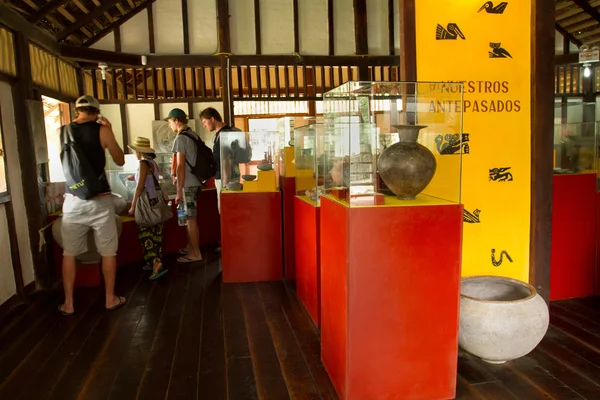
column 142, row 145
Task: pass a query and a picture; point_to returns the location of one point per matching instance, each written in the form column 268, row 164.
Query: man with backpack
column 212, row 121
column 186, row 157
column 88, row 203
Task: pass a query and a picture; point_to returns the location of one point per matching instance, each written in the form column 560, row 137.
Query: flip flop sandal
column 158, row 274
column 182, row 252
column 147, row 267
column 186, row 259
column 119, row 304
column 66, row 314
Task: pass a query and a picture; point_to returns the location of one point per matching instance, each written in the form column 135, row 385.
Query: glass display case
column 393, row 143
column 117, row 175
column 285, row 127
column 250, row 161
column 575, row 149
column 309, row 160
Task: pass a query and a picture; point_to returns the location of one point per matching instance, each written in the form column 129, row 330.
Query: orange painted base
column 130, row 249
column 288, row 193
column 390, row 284
column 307, row 257
column 573, row 257
column 251, row 246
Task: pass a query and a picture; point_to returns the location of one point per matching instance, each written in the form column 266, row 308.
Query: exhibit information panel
column 477, row 42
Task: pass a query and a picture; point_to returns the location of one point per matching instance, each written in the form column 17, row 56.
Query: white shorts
column 79, row 216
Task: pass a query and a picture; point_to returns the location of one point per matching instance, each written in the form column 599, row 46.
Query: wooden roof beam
column 567, row 35
column 46, row 9
column 118, row 23
column 96, row 56
column 86, row 19
column 16, row 22
column 588, row 8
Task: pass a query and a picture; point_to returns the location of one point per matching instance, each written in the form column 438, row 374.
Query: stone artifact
column 500, row 318
column 248, row 177
column 265, row 166
column 234, row 186
column 407, row 167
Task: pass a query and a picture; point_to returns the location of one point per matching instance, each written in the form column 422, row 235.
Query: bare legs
column 68, row 275
column 193, row 246
column 109, row 270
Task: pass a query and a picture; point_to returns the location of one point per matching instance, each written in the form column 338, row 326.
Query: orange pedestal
column 288, row 192
column 307, row 256
column 573, row 257
column 251, row 237
column 390, row 279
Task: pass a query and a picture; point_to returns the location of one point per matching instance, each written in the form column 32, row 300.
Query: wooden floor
column 187, row 336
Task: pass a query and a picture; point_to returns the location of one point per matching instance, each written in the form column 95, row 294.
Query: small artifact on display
column 249, row 177
column 407, row 167
column 235, row 186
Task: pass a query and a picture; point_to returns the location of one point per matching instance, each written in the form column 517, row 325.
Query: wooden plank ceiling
column 579, row 21
column 84, row 22
column 78, row 22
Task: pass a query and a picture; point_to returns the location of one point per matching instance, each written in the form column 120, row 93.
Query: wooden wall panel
column 68, row 79
column 7, row 53
column 44, row 68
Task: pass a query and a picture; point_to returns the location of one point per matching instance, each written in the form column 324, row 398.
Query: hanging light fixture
column 103, row 66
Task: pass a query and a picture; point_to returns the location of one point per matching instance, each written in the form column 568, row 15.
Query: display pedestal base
column 308, row 270
column 251, row 237
column 573, row 257
column 288, row 191
column 390, row 287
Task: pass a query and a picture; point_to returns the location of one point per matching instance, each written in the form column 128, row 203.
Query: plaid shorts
column 190, row 201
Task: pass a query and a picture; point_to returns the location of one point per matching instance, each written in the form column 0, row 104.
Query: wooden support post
column 225, row 49
column 408, row 41
column 360, row 27
column 151, row 29
column 123, row 109
column 542, row 148
column 185, row 27
column 257, row 26
column 22, row 92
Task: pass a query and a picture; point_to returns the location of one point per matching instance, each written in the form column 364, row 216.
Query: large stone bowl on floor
column 501, row 319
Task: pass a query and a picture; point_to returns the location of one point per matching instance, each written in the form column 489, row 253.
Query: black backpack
column 80, row 179
column 205, row 167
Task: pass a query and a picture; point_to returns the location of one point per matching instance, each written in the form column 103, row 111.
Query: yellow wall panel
column 7, row 52
column 44, row 68
column 491, row 53
column 68, row 79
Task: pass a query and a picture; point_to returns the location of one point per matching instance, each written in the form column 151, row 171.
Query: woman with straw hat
column 150, row 237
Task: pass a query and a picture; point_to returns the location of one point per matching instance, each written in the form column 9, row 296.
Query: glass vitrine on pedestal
column 251, row 240
column 390, row 233
column 310, row 171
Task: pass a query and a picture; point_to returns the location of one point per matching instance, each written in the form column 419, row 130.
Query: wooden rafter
column 118, row 22
column 588, row 8
column 46, row 9
column 567, row 35
column 86, row 19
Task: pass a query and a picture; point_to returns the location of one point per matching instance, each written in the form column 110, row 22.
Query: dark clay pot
column 407, row 167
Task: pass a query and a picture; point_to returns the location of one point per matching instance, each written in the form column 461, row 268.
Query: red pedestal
column 390, row 284
column 597, row 273
column 288, row 191
column 251, row 237
column 130, row 250
column 573, row 258
column 307, row 257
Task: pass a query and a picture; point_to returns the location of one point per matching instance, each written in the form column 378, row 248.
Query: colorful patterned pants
column 151, row 240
